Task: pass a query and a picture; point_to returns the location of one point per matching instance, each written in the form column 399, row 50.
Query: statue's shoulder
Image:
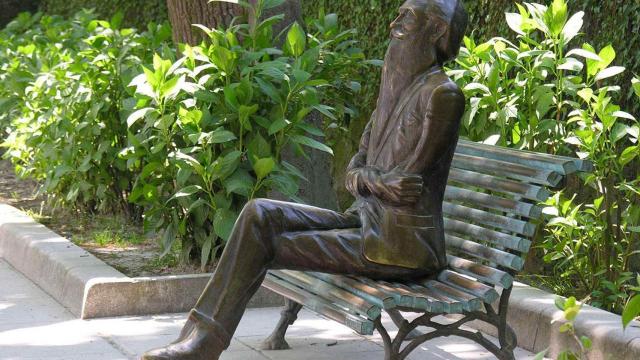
column 440, row 85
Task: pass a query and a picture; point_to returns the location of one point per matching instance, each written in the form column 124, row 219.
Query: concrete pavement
column 34, row 326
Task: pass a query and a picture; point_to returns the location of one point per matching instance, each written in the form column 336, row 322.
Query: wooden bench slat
column 484, row 252
column 403, row 299
column 478, row 233
column 489, row 219
column 359, row 324
column 487, row 201
column 422, row 301
column 369, row 293
column 487, row 293
column 473, row 301
column 480, row 272
column 560, row 164
column 330, row 292
column 489, row 182
column 451, row 305
column 506, row 169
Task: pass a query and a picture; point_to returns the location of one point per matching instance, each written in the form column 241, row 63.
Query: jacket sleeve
column 359, row 176
column 444, row 110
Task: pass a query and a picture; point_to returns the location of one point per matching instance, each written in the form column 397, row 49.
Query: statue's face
column 411, row 22
column 413, row 37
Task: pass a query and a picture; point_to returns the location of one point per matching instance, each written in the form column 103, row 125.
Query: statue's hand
column 400, row 189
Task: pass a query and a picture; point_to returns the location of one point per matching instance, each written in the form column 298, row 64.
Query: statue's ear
column 440, row 37
column 439, row 31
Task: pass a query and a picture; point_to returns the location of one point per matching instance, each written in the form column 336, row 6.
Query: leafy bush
column 542, row 94
column 137, row 13
column 64, row 93
column 210, row 128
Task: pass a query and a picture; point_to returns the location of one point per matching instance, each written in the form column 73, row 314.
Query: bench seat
column 491, row 214
column 357, row 301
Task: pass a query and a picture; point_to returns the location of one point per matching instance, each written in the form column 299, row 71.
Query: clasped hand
column 399, row 188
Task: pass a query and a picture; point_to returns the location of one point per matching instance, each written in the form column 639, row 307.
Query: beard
column 403, row 62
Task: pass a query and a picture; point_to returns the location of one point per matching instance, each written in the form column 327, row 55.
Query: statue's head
column 431, row 29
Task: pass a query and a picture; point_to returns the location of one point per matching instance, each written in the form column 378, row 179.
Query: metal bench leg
column 288, row 316
column 506, row 335
column 398, row 319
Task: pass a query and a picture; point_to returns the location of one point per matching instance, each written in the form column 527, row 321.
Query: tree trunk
column 9, row 9
column 184, row 13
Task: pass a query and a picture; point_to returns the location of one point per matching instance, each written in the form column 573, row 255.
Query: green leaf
column 618, row 132
column 168, row 238
column 263, row 167
column 585, row 54
column 241, row 183
column 278, row 125
column 514, row 20
column 609, row 72
column 223, row 223
column 270, row 4
column 559, row 14
column 631, row 311
column 137, row 115
column 270, row 90
column 221, row 135
column 187, row 191
column 296, row 40
column 628, row 155
column 541, row 355
column 636, row 86
column 567, row 327
column 116, row 20
column 573, row 26
column 228, row 164
column 303, row 140
column 586, row 342
column 326, row 111
column 205, row 253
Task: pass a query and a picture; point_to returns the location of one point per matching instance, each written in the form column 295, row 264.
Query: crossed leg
column 269, row 235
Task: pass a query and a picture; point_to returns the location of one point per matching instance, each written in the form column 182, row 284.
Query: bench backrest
column 492, row 207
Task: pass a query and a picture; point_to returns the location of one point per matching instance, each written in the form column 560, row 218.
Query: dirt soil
column 114, row 240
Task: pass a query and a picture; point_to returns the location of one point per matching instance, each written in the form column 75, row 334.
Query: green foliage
column 109, row 120
column 137, row 13
column 64, row 84
column 605, row 21
column 542, row 93
column 570, row 310
column 209, row 128
column 632, row 308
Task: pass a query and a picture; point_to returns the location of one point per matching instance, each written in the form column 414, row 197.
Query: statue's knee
column 254, row 210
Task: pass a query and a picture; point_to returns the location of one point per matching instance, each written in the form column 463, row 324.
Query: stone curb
column 87, row 286
column 532, row 311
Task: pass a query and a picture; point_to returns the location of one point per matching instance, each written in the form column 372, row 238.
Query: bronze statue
column 394, row 230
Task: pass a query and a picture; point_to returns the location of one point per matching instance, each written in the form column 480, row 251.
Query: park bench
column 491, row 213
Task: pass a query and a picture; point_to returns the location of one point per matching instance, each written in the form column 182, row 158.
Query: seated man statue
column 394, row 230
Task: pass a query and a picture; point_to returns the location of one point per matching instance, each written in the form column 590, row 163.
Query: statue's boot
column 206, row 341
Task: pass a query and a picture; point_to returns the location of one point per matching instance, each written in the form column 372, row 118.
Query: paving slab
column 34, row 326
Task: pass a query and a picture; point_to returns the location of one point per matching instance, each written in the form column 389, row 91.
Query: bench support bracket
column 506, row 336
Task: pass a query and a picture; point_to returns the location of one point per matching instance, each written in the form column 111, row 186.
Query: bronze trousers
column 278, row 235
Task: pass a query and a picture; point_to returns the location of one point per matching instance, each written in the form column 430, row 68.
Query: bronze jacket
column 419, row 138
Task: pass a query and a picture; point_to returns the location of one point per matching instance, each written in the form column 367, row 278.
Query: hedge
column 606, row 22
column 138, row 13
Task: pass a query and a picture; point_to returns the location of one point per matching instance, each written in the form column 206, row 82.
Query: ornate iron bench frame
column 491, row 213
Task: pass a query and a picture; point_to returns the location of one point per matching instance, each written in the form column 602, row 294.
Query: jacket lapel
column 402, row 104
